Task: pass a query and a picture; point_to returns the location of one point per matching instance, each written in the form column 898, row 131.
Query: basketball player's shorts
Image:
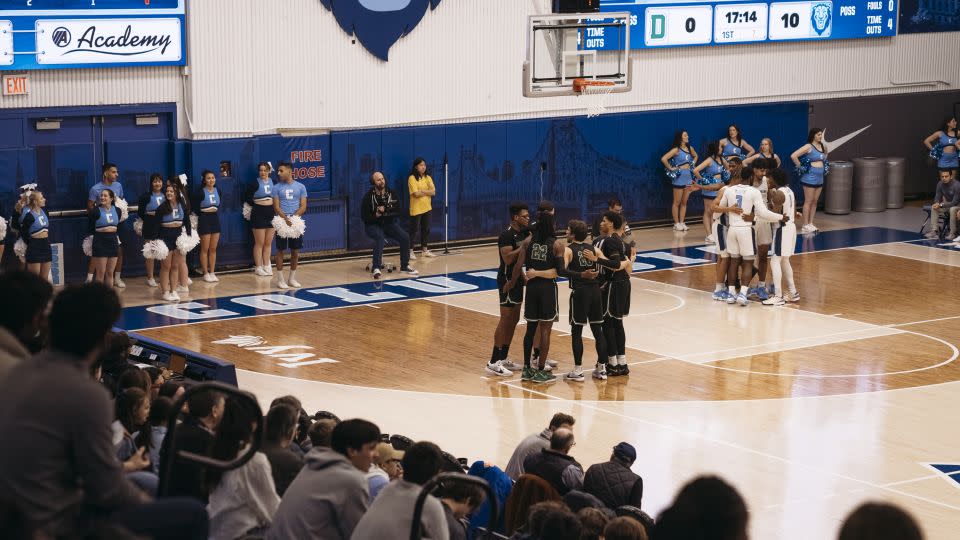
column 764, row 232
column 785, row 240
column 586, row 305
column 616, row 303
column 541, row 301
column 741, row 242
column 513, row 297
column 720, row 235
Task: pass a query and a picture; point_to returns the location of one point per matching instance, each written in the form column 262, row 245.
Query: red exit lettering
column 14, row 85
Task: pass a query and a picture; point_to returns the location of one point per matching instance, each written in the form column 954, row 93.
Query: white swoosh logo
column 833, row 145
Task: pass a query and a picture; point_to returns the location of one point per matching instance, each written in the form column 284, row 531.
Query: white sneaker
column 410, row 271
column 573, row 376
column 182, row 289
column 806, row 229
column 676, row 227
column 119, row 283
column 600, row 372
column 189, row 282
column 294, row 283
column 548, row 367
column 552, row 363
column 412, row 256
column 813, row 228
column 377, row 274
column 683, row 227
column 774, row 301
column 511, row 365
column 792, row 297
column 709, row 239
column 282, row 284
column 268, row 270
column 261, row 271
column 957, row 239
column 167, row 297
column 497, row 369
column 214, row 278
column 428, row 253
column 208, row 278
column 152, row 283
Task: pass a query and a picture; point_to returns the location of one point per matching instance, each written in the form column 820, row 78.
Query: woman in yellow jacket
column 421, row 191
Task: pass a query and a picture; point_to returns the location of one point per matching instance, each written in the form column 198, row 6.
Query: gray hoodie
column 326, row 500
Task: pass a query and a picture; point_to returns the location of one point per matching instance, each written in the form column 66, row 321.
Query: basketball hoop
column 599, row 89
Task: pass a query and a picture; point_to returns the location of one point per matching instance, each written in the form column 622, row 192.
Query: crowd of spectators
column 84, row 434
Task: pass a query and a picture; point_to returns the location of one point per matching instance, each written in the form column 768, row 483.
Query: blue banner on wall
column 57, row 34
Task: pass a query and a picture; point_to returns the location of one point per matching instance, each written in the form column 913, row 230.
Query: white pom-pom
column 123, row 208
column 186, row 243
column 138, row 226
column 3, row 229
column 155, row 249
column 88, row 246
column 247, row 209
column 295, row 230
column 20, row 249
column 194, row 220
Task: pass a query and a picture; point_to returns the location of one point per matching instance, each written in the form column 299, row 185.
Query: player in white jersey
column 764, row 229
column 720, row 227
column 784, row 240
column 741, row 240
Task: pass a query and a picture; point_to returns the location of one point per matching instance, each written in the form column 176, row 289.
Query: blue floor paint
column 354, row 294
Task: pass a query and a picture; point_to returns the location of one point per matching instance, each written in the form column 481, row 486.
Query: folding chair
column 942, row 225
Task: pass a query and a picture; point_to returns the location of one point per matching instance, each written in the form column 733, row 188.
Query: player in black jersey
column 586, row 302
column 509, row 245
column 546, row 207
column 616, row 291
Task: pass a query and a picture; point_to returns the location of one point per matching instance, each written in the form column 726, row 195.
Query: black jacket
column 614, row 484
column 388, row 200
column 188, row 478
column 559, row 470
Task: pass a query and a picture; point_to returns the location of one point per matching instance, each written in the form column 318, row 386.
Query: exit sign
column 16, row 85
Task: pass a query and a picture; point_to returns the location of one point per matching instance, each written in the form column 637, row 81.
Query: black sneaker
column 614, row 371
column 624, row 369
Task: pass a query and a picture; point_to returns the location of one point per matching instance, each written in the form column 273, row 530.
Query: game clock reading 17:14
column 721, row 23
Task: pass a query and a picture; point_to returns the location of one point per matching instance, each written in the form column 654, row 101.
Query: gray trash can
column 869, row 184
column 838, row 186
column 896, row 175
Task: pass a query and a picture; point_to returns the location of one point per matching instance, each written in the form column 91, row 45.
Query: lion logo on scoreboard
column 821, row 15
column 378, row 24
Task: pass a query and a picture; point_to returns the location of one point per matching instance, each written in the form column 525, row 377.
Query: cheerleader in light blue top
column 104, row 220
column 811, row 162
column 208, row 204
column 942, row 145
column 150, row 227
column 35, row 232
column 679, row 161
column 766, row 151
column 109, row 180
column 711, row 174
column 733, row 144
column 259, row 196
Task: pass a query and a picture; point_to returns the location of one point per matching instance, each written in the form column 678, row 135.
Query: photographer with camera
column 379, row 210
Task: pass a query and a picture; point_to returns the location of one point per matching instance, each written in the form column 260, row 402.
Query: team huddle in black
column 531, row 260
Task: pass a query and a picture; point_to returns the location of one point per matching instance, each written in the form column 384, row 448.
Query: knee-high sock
column 528, row 342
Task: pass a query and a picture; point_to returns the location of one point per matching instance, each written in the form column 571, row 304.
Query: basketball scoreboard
column 689, row 23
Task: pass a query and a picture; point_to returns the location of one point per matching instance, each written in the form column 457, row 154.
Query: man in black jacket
column 379, row 210
column 195, row 435
column 613, row 482
column 555, row 465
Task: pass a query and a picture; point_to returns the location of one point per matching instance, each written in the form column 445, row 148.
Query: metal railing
column 172, row 455
column 438, row 482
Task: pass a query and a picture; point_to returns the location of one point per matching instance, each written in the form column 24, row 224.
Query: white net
column 596, row 96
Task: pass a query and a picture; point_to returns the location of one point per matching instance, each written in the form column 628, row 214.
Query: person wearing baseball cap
column 386, row 468
column 613, row 482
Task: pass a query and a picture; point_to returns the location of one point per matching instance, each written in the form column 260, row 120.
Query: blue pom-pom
column 724, row 176
column 826, row 166
column 672, row 174
column 936, row 152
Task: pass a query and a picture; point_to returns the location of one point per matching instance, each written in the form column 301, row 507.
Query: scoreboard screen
column 654, row 23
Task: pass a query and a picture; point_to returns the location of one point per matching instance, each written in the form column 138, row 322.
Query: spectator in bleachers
column 20, row 325
column 613, row 482
column 159, row 414
column 330, row 495
column 59, row 465
column 879, row 521
column 555, row 464
column 172, row 390
column 560, row 524
column 385, row 469
column 244, row 500
column 460, row 499
column 706, row 507
column 502, row 486
column 114, row 358
column 321, row 432
column 577, row 500
column 155, row 375
column 534, row 517
column 133, row 450
column 195, row 434
column 391, row 514
column 637, row 514
column 281, row 427
column 624, row 528
column 294, row 402
column 536, row 442
column 527, row 492
column 133, row 378
column 593, row 521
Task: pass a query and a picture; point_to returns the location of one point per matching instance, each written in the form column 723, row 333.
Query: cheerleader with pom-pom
column 34, row 235
column 733, row 144
column 207, row 204
column 172, row 223
column 711, row 174
column 105, row 246
column 811, row 162
column 945, row 149
column 259, row 196
column 679, row 161
column 183, row 272
column 290, row 203
column 109, row 181
column 147, row 224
